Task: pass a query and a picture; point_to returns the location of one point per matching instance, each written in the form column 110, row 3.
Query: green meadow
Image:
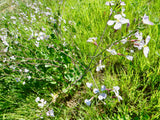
column 46, row 59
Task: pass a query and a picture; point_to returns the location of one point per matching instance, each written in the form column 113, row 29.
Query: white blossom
column 112, row 51
column 95, row 90
column 146, row 20
column 109, row 3
column 89, row 85
column 129, row 57
column 50, row 113
column 103, row 87
column 102, row 96
column 118, row 22
column 100, row 67
column 88, row 102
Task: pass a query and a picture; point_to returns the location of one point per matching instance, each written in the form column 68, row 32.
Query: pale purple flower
column 112, row 51
column 100, row 67
column 103, row 87
column 146, row 20
column 116, row 91
column 109, row 3
column 123, row 41
column 141, row 44
column 50, row 113
column 102, row 96
column 95, row 90
column 88, row 102
column 118, row 22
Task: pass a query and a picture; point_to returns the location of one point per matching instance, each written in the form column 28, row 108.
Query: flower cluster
column 101, row 93
column 135, row 39
column 41, row 102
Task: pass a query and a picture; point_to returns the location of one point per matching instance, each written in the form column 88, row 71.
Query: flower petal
column 146, row 20
column 110, row 22
column 129, row 57
column 89, row 85
column 117, row 25
column 118, row 16
column 95, row 90
column 148, row 39
column 88, row 102
column 103, row 87
column 146, row 51
column 102, row 96
column 124, row 21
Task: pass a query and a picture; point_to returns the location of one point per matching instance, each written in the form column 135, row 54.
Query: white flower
column 92, row 39
column 95, row 90
column 132, row 51
column 112, row 51
column 119, row 97
column 103, row 87
column 112, row 3
column 123, row 41
column 100, row 66
column 29, row 77
column 12, row 58
column 42, row 103
column 89, row 85
column 50, row 113
column 122, row 3
column 129, row 57
column 24, row 83
column 138, row 35
column 141, row 44
column 26, row 70
column 118, row 23
column 102, row 96
column 145, row 47
column 88, row 102
column 109, row 3
column 37, row 99
column 116, row 91
column 146, row 20
column 37, row 44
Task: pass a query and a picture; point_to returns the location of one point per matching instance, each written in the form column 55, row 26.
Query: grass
column 53, row 69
